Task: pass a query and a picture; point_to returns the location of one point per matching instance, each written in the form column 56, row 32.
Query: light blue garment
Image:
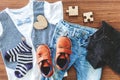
column 41, row 36
column 78, row 35
column 9, row 38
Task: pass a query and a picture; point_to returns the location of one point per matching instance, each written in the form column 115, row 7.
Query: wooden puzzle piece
column 41, row 23
column 88, row 17
column 72, row 11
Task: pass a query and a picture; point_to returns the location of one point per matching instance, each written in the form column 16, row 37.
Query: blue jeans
column 78, row 35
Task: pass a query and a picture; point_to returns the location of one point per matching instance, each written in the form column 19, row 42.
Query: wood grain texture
column 108, row 10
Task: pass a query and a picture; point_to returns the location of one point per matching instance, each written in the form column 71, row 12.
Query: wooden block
column 72, row 11
column 41, row 22
column 88, row 17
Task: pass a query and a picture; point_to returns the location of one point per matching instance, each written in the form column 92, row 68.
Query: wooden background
column 108, row 10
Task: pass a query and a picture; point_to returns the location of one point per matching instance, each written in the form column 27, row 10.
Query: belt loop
column 65, row 33
column 73, row 34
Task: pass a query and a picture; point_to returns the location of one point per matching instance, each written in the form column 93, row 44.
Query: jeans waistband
column 74, row 30
column 106, row 31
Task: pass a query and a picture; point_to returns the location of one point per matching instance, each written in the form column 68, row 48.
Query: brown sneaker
column 63, row 52
column 44, row 60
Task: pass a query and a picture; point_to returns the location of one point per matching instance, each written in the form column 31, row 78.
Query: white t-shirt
column 53, row 13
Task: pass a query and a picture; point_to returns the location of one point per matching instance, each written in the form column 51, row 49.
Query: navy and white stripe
column 25, row 63
column 23, row 46
column 12, row 54
column 22, row 54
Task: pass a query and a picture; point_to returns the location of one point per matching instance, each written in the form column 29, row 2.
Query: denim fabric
column 103, row 48
column 41, row 36
column 9, row 39
column 11, row 36
column 78, row 35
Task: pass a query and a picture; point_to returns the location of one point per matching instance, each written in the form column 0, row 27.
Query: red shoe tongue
column 45, row 64
column 62, row 57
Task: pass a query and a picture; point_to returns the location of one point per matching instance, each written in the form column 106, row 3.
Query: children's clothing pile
column 19, row 40
column 103, row 48
column 17, row 24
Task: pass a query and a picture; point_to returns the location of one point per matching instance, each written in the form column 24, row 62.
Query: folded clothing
column 103, row 48
column 78, row 36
